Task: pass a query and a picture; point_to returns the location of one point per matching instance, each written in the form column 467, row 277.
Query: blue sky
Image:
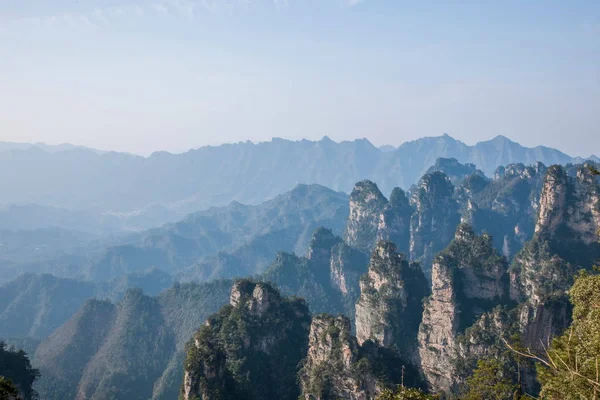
column 149, row 75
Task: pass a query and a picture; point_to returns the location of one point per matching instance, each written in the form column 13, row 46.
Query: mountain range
column 437, row 310
column 169, row 186
column 455, row 257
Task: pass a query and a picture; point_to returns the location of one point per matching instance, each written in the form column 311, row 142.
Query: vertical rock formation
column 321, row 243
column 390, row 306
column 454, row 170
column 394, row 221
column 250, row 349
column 469, row 278
column 566, row 240
column 337, row 367
column 570, row 205
column 434, row 222
column 331, row 369
column 505, row 207
column 366, row 205
column 327, row 277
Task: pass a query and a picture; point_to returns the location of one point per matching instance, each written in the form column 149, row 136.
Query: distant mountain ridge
column 50, row 148
column 246, row 172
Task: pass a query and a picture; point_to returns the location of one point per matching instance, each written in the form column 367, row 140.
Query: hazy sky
column 145, row 75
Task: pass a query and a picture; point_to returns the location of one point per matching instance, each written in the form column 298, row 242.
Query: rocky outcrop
column 373, row 218
column 331, row 369
column 469, row 278
column 250, row 349
column 390, row 306
column 366, row 205
column 570, row 205
column 433, row 224
column 454, row 170
column 394, row 221
column 327, row 277
column 565, row 241
column 346, row 267
column 506, row 207
column 322, row 241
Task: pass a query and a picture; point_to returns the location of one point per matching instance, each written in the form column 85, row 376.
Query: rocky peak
column 394, row 221
column 553, row 199
column 389, row 309
column 433, row 224
column 334, row 367
column 331, row 337
column 256, row 297
column 455, row 171
column 569, row 205
column 469, row 278
column 235, row 352
column 464, row 234
column 398, row 198
column 321, row 244
column 366, row 205
column 506, row 207
column 347, row 265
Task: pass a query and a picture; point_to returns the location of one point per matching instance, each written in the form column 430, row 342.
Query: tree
column 16, row 371
column 403, row 393
column 490, row 382
column 8, row 391
column 571, row 368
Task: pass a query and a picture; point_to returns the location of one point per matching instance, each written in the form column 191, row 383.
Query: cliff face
column 327, row 277
column 366, row 205
column 331, row 369
column 454, row 170
column 469, row 278
column 570, row 205
column 435, row 219
column 394, row 221
column 506, row 207
column 390, row 306
column 250, row 349
column 565, row 241
column 337, row 367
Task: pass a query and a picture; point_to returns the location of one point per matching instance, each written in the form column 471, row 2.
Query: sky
column 147, row 75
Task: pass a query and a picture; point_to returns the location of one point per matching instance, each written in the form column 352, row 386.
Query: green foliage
column 455, row 171
column 8, row 391
column 490, row 382
column 244, row 353
column 403, row 393
column 16, row 373
column 552, row 275
column 571, row 370
column 473, row 251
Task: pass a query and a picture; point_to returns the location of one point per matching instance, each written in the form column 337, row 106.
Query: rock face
column 366, row 205
column 250, row 349
column 337, row 367
column 331, row 369
column 322, row 241
column 469, row 278
column 327, row 277
column 506, row 207
column 454, row 170
column 570, row 205
column 394, row 221
column 565, row 241
column 390, row 306
column 434, row 222
column 346, row 267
